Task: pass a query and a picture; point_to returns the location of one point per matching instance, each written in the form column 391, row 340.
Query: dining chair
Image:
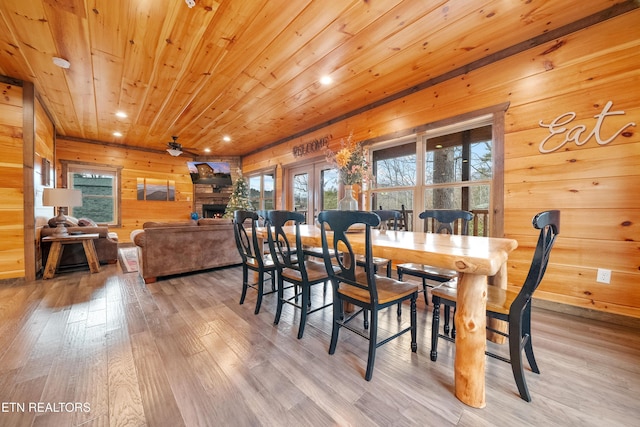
column 448, row 221
column 293, row 266
column 387, row 217
column 253, row 258
column 362, row 288
column 509, row 305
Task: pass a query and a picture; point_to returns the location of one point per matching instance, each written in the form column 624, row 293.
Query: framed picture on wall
column 156, row 189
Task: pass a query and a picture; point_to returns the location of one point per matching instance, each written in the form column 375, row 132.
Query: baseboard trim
column 617, row 319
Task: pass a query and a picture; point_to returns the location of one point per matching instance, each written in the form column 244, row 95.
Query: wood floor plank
column 184, row 352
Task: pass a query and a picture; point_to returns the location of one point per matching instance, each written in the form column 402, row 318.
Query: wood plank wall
column 11, row 185
column 595, row 186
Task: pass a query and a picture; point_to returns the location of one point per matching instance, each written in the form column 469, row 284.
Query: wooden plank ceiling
column 249, row 69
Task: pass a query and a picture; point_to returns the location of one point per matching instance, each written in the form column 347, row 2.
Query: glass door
column 312, row 188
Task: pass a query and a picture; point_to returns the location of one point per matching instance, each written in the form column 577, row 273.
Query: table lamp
column 61, row 198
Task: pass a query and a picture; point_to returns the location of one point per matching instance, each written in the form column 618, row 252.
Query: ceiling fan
column 174, row 147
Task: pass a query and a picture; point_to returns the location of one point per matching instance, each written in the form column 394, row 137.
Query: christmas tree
column 239, row 199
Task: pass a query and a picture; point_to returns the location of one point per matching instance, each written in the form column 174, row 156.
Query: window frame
column 69, row 167
column 261, row 199
column 494, row 116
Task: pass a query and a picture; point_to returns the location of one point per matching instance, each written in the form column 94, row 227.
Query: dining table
column 476, row 258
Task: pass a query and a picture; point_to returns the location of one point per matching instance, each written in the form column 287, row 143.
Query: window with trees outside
column 261, row 190
column 394, row 169
column 100, row 194
column 457, row 172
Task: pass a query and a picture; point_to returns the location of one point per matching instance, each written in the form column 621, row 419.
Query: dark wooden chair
column 388, row 218
column 449, row 221
column 293, row 266
column 362, row 288
column 252, row 256
column 510, row 306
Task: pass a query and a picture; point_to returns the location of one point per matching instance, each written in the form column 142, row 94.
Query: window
column 454, row 163
column 394, row 169
column 458, row 170
column 100, row 192
column 261, row 190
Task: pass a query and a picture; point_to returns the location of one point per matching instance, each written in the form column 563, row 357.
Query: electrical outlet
column 604, row 276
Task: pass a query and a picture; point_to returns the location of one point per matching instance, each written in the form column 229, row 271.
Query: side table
column 56, row 251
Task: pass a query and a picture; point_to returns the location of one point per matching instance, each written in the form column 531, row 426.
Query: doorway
column 312, row 188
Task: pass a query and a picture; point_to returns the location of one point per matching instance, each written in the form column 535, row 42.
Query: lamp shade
column 67, row 197
column 174, row 151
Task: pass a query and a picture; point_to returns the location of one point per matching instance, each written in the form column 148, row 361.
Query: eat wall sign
column 560, row 134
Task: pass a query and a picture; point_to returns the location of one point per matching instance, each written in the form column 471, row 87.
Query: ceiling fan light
column 174, row 152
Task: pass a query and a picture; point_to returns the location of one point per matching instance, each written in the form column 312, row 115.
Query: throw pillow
column 87, row 222
column 69, row 222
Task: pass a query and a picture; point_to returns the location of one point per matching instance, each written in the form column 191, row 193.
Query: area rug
column 128, row 257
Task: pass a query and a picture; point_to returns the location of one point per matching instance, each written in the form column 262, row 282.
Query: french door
column 311, row 189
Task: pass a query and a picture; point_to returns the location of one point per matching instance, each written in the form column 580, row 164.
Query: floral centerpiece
column 353, row 167
column 351, row 162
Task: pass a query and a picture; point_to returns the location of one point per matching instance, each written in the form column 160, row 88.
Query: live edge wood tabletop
column 475, row 257
column 55, row 253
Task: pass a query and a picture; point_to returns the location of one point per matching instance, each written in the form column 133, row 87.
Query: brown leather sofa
column 73, row 255
column 170, row 248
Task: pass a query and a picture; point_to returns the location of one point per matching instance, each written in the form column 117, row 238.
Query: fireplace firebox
column 213, row 211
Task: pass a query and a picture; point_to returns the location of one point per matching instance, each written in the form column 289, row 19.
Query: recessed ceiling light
column 226, row 138
column 62, row 63
column 326, row 80
column 439, row 146
column 117, row 134
column 207, row 150
column 121, row 114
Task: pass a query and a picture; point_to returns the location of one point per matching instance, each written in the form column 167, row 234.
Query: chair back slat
column 285, row 254
column 389, row 217
column 548, row 222
column 342, row 254
column 248, row 247
column 448, row 221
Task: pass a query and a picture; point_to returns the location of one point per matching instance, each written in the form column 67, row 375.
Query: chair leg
column 414, row 331
column 399, row 304
column 276, row 320
column 337, row 317
column 453, row 323
column 446, row 319
column 365, row 318
column 273, row 280
column 245, row 277
column 528, row 346
column 515, row 354
column 260, row 291
column 435, row 325
column 306, row 302
column 424, row 289
column 373, row 337
column 389, row 269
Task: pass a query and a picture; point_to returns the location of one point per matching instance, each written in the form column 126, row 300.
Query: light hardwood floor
column 183, row 352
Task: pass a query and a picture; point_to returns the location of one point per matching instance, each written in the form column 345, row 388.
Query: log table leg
column 471, row 324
